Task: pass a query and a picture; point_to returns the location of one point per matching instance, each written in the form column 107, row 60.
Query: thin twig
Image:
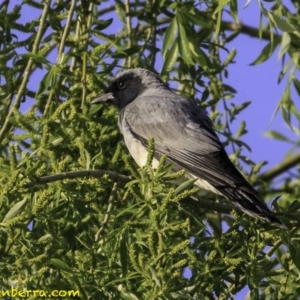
column 77, row 34
column 109, row 208
column 66, row 30
column 85, row 25
column 129, row 31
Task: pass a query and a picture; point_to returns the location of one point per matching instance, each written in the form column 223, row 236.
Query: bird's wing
column 183, row 131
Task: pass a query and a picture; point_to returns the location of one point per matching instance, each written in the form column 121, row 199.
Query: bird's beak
column 103, row 98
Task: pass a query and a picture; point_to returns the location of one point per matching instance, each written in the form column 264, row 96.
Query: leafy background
column 100, row 225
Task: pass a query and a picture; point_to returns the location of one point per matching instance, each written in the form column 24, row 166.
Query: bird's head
column 128, row 86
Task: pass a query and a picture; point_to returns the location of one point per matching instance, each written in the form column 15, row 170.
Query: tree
column 99, row 225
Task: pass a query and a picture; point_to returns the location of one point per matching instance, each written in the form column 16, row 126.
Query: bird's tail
column 251, row 205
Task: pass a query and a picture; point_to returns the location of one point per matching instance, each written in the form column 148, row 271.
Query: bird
column 183, row 131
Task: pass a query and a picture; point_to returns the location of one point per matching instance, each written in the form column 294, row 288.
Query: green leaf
column 184, row 50
column 57, row 141
column 170, row 60
column 155, row 277
column 131, row 210
column 229, row 88
column 237, row 109
column 294, row 206
column 286, row 116
column 45, row 237
column 45, row 83
column 285, row 44
column 285, row 68
column 128, row 295
column 261, row 25
column 169, row 37
column 184, row 186
column 188, row 210
column 265, row 53
column 242, row 129
column 295, row 253
column 93, row 109
column 234, row 10
column 198, row 19
column 280, row 23
column 217, row 268
column 286, row 107
column 123, row 255
column 258, row 166
column 297, row 85
column 16, row 209
column 127, row 52
column 61, row 265
column 205, row 95
column 275, row 203
column 198, row 55
column 36, row 58
column 102, row 24
column 173, row 5
column 221, row 5
column 276, row 135
column 13, row 121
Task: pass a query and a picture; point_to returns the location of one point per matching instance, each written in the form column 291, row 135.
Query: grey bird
column 183, row 132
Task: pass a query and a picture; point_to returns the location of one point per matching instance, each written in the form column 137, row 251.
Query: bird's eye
column 121, row 85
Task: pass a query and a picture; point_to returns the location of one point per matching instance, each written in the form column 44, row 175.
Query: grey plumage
column 183, row 131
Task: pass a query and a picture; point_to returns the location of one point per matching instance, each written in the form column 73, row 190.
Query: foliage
column 124, row 232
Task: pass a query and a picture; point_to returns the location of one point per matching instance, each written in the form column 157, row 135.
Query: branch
column 278, row 169
column 66, row 32
column 129, row 33
column 78, row 174
column 254, row 32
column 248, row 30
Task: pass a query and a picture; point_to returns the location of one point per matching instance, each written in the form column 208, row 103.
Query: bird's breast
column 135, row 147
